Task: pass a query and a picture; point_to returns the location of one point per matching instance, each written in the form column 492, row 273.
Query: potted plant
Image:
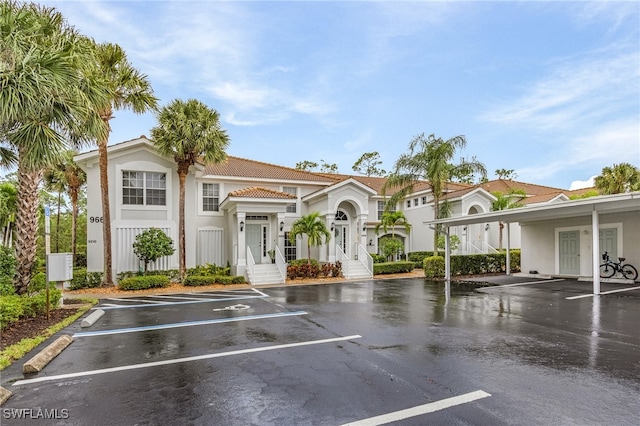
column 272, row 255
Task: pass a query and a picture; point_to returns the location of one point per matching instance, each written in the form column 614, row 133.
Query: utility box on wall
column 60, row 267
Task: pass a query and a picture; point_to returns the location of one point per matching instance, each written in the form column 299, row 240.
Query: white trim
column 143, row 166
column 199, row 198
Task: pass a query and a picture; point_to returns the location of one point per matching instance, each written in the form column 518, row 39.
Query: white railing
column 342, row 258
column 281, row 264
column 472, row 249
column 251, row 265
column 488, row 248
column 365, row 258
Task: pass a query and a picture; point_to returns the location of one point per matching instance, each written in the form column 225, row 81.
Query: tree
column 311, row 166
column 368, row 164
column 188, row 131
column 152, row 244
column 620, row 178
column 48, row 97
column 507, row 174
column 66, row 176
column 328, row 167
column 391, row 219
column 313, row 227
column 390, row 247
column 8, row 207
column 511, row 200
column 429, row 159
column 130, row 90
column 306, row 166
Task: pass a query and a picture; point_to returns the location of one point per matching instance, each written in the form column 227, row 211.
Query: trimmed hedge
column 14, row 307
column 393, row 267
column 472, row 264
column 82, row 279
column 378, row 258
column 173, row 274
column 418, row 256
column 198, row 280
column 144, row 282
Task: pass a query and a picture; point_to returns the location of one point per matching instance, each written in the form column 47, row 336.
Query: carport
column 592, row 208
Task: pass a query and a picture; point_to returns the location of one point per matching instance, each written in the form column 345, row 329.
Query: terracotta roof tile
column 259, row 192
column 242, row 167
column 504, row 186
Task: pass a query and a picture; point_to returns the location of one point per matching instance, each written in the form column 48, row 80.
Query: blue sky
column 549, row 89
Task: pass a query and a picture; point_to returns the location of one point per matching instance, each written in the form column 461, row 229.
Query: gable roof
column 506, row 185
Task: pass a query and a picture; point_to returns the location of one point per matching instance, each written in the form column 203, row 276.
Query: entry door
column 341, row 233
column 256, row 241
column 570, row 253
column 609, row 242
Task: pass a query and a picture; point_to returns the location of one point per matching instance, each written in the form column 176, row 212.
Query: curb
column 4, row 395
column 38, row 362
column 91, row 319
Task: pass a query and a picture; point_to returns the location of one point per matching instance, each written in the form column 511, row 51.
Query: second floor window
column 144, row 188
column 210, row 197
column 381, row 207
column 291, row 208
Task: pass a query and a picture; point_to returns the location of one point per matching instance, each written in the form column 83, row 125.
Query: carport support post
column 447, row 256
column 595, row 250
column 508, row 259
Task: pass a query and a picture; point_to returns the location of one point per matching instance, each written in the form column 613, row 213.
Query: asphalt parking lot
column 400, row 351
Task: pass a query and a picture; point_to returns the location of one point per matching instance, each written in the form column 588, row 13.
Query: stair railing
column 342, row 258
column 281, row 264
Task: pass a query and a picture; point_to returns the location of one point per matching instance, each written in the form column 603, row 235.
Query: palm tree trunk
column 73, row 194
column 436, row 214
column 26, row 226
column 182, row 177
column 107, row 279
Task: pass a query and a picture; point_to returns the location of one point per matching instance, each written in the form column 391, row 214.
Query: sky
column 550, row 89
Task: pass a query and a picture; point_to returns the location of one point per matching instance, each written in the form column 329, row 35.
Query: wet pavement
column 528, row 352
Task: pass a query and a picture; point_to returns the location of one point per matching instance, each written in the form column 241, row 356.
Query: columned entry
column 569, row 252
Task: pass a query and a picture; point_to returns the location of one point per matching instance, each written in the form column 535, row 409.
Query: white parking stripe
column 146, row 305
column 126, row 299
column 527, row 283
column 620, row 290
column 181, row 360
column 182, row 298
column 421, row 409
column 185, row 324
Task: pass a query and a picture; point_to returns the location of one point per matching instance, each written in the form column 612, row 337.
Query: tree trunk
column 107, row 278
column 436, row 214
column 26, row 226
column 73, row 194
column 501, row 227
column 183, row 169
column 58, row 223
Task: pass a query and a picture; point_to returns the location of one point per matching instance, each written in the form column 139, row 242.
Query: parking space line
column 421, row 409
column 620, row 290
column 116, row 299
column 146, row 305
column 185, row 324
column 527, row 283
column 181, row 297
column 182, row 360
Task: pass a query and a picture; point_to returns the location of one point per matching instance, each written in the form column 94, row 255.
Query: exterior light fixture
column 333, row 225
column 241, row 225
column 281, row 226
column 371, row 242
column 486, row 227
column 364, row 227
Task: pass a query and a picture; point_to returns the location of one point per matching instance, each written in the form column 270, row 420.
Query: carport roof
column 584, row 207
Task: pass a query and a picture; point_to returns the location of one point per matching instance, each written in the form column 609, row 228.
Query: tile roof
column 505, row 185
column 259, row 192
column 242, row 167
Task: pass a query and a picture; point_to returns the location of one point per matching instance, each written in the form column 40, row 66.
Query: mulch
column 33, row 326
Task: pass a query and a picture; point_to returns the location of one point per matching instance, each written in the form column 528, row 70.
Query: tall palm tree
column 429, row 158
column 48, row 98
column 130, row 90
column 510, row 200
column 66, row 176
column 313, row 227
column 620, row 178
column 187, row 132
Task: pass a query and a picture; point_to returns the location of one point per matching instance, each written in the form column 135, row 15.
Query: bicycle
column 609, row 268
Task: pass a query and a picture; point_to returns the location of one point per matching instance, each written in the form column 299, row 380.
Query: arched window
column 340, row 215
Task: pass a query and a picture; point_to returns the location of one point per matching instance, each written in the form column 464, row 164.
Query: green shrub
column 7, row 263
column 144, row 282
column 11, row 310
column 83, row 279
column 6, row 287
column 209, row 269
column 151, row 245
column 418, row 256
column 298, row 262
column 477, row 264
column 433, row 266
column 198, row 280
column 173, row 274
column 393, row 267
column 38, row 283
column 378, row 258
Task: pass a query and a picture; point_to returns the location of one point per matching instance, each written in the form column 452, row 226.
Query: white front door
column 256, row 239
column 570, row 252
column 341, row 234
column 609, row 242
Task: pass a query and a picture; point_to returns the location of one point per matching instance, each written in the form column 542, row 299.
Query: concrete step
column 265, row 274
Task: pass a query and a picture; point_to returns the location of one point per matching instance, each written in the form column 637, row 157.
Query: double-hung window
column 144, row 188
column 291, row 208
column 211, row 197
column 381, row 208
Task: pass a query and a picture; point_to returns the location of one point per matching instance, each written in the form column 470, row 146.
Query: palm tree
column 313, row 227
column 66, row 176
column 511, row 200
column 8, row 206
column 391, row 219
column 620, row 178
column 48, row 98
column 429, row 159
column 189, row 131
column 130, row 90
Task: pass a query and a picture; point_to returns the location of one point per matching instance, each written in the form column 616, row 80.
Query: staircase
column 265, row 273
column 355, row 270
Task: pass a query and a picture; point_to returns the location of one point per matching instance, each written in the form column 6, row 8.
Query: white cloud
column 580, row 184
